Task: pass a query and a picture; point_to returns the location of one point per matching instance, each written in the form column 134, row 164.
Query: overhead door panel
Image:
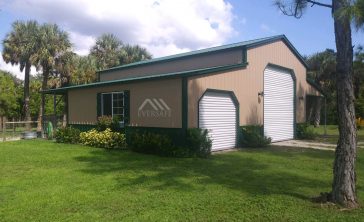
column 278, row 104
column 217, row 114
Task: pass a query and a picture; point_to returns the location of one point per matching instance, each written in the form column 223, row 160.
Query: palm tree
column 321, row 69
column 135, row 53
column 85, row 71
column 106, row 51
column 74, row 69
column 52, row 43
column 18, row 48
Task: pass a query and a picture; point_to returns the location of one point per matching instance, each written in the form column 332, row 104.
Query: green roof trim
column 246, row 44
column 149, row 77
column 316, row 86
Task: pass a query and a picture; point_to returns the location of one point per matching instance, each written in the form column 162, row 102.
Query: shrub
column 67, row 135
column 104, row 139
column 105, row 122
column 304, row 131
column 151, row 143
column 252, row 136
column 198, row 142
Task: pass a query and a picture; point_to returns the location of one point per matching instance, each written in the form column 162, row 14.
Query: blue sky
column 312, row 33
column 167, row 27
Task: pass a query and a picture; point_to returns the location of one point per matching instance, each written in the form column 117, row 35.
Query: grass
column 45, row 181
column 333, row 134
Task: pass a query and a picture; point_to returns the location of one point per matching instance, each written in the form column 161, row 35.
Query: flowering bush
column 104, row 139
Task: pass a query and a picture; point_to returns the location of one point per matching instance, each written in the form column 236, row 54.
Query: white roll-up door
column 217, row 113
column 278, row 104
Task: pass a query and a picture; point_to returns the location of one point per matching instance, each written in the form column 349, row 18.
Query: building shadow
column 239, row 170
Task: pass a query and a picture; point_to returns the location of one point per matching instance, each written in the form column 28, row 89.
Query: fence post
column 4, row 129
column 13, row 127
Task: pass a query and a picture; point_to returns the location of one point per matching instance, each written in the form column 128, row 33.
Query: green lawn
column 45, row 181
column 333, row 134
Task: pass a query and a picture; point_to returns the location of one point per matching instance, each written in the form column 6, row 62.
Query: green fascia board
column 149, row 77
column 193, row 53
column 316, row 86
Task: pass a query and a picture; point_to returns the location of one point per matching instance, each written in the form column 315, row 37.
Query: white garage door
column 278, row 104
column 217, row 113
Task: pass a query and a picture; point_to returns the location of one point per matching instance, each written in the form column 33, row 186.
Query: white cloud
column 266, row 28
column 162, row 26
column 14, row 69
column 83, row 42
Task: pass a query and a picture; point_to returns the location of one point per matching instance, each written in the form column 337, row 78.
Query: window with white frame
column 112, row 104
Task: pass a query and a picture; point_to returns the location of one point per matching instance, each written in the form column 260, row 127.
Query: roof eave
column 145, row 78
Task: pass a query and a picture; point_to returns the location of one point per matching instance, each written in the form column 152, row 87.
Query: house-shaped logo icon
column 154, row 108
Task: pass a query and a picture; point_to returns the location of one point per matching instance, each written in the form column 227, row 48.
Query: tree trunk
column 344, row 181
column 2, row 123
column 309, row 105
column 317, row 112
column 42, row 103
column 27, row 96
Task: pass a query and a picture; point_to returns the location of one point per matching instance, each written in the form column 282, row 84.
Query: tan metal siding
column 83, row 104
column 196, row 62
column 248, row 82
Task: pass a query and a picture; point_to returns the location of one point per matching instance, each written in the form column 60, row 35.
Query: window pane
column 106, row 104
column 118, row 111
column 120, row 117
column 117, row 103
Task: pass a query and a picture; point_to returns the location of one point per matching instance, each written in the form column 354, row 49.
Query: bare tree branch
column 296, row 8
column 319, row 3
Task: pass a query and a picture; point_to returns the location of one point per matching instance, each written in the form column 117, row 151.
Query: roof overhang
column 195, row 72
column 316, row 86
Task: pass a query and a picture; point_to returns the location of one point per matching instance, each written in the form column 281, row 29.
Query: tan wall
column 201, row 61
column 247, row 82
column 83, row 104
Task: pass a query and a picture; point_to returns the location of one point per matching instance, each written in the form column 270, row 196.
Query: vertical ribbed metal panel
column 217, row 113
column 278, row 104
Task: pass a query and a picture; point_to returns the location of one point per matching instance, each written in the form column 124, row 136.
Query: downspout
column 54, row 111
column 42, row 117
column 325, row 118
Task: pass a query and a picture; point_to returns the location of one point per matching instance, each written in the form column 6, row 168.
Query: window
column 112, row 104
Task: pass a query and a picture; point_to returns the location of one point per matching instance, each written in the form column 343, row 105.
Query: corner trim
column 184, row 103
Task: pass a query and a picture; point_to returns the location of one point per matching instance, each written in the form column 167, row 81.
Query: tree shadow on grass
column 235, row 171
column 294, row 151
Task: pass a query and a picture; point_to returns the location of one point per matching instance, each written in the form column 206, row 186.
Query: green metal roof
column 316, row 86
column 165, row 75
column 247, row 44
